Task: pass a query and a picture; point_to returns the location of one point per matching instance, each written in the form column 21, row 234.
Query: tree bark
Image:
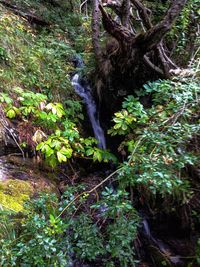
column 133, row 48
column 153, row 36
column 96, row 30
column 144, row 13
column 125, row 13
column 119, row 32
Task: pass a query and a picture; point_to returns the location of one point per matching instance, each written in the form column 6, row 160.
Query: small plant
column 132, row 115
column 87, row 238
column 56, row 136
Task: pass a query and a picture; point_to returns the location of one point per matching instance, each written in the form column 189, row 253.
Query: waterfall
column 83, row 89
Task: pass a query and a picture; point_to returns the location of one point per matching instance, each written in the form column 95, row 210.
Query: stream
column 83, row 89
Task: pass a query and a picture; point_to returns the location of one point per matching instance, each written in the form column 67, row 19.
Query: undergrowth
column 158, row 139
column 159, row 143
column 44, row 238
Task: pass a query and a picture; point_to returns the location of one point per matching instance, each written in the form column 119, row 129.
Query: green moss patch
column 13, row 194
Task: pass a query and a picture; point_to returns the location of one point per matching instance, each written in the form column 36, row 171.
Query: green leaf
column 67, row 152
column 52, row 161
column 97, row 156
column 89, row 152
column 49, row 152
column 39, row 146
column 11, row 114
column 61, row 157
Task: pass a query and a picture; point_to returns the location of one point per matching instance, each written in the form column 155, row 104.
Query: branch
column 82, row 4
column 173, row 65
column 125, row 12
column 144, row 13
column 151, row 65
column 89, row 192
column 154, row 35
column 119, row 32
column 163, row 61
column 115, row 6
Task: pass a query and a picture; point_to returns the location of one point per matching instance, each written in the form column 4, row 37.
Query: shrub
column 44, row 238
column 157, row 139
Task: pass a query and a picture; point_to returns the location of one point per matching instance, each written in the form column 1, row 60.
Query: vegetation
column 113, row 207
column 159, row 150
column 47, row 238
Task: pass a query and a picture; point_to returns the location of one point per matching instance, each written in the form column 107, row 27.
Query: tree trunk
column 125, row 13
column 137, row 52
column 96, row 31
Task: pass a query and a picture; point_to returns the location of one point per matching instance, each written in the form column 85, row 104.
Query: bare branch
column 154, row 35
column 152, row 66
column 125, row 12
column 119, row 32
column 144, row 13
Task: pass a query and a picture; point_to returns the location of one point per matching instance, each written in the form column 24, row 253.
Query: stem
column 88, row 192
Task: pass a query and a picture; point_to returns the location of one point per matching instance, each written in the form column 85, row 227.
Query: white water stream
column 84, row 91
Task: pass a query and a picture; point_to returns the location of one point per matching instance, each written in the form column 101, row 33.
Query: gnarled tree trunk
column 131, row 57
column 136, row 54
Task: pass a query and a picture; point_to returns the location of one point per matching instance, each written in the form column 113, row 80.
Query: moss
column 13, row 194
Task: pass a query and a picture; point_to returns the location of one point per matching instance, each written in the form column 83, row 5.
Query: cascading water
column 83, row 89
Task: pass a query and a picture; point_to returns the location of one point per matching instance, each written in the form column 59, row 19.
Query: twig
column 89, row 192
column 85, row 2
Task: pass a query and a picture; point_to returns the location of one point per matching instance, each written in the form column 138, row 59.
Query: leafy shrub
column 88, row 242
column 40, row 241
column 44, row 238
column 158, row 148
column 131, row 116
column 57, row 137
column 122, row 230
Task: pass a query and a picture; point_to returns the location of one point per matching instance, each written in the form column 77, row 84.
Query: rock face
column 2, row 139
column 7, row 135
column 20, row 179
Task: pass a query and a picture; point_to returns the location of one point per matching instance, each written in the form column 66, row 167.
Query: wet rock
column 7, row 135
column 13, row 193
column 19, row 182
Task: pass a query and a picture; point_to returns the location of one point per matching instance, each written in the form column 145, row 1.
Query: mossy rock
column 13, row 194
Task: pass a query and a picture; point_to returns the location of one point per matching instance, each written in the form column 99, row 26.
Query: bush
column 157, row 139
column 44, row 238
